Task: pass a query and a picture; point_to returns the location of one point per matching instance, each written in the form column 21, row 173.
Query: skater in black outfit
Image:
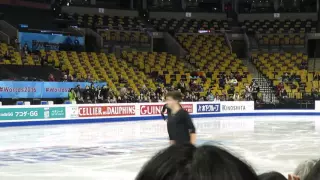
column 164, row 109
column 180, row 126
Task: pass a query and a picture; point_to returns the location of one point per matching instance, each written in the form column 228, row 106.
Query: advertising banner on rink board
column 27, row 113
column 155, row 109
column 225, row 107
column 106, row 110
column 317, row 105
column 237, row 106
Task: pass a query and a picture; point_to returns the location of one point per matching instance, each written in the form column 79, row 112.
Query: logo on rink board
column 203, row 108
column 156, row 109
column 103, row 111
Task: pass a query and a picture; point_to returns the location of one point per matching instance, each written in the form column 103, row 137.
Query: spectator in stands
column 122, row 79
column 159, row 91
column 259, row 97
column 146, row 99
column 104, row 93
column 98, row 94
column 194, row 97
column 293, row 77
column 76, row 42
column 25, row 49
column 86, row 94
column 43, row 60
column 93, row 93
column 304, row 65
column 113, row 99
column 7, row 55
column 279, row 87
column 64, row 78
column 316, row 76
column 172, row 88
column 224, row 97
column 254, row 92
column 238, row 77
column 70, row 78
column 182, row 86
column 17, row 44
column 79, row 96
column 233, row 81
column 89, row 78
column 72, row 95
column 210, row 97
column 187, row 162
column 222, row 82
column 123, row 91
column 231, row 91
column 140, row 98
column 314, row 93
column 283, row 94
column 217, row 97
column 188, row 97
column 248, row 93
column 236, row 97
column 51, row 78
column 153, row 97
column 285, row 78
column 144, row 90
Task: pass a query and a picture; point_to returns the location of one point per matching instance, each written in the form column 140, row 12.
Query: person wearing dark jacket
column 104, row 93
column 179, row 124
column 93, row 92
column 86, row 94
column 165, row 109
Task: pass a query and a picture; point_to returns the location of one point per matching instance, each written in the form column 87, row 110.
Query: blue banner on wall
column 38, row 41
column 30, row 89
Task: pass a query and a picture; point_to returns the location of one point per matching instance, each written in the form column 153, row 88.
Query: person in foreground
column 180, row 126
column 187, row 162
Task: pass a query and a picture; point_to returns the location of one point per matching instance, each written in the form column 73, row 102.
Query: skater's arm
column 164, row 108
column 192, row 129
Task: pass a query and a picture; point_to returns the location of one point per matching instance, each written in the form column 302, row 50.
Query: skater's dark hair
column 186, row 162
column 176, row 95
column 315, row 172
column 272, row 176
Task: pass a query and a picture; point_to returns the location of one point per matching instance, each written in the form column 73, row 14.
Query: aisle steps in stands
column 314, row 64
column 251, row 68
column 267, row 90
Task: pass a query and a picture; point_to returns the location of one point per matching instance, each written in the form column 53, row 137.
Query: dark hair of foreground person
column 187, row 162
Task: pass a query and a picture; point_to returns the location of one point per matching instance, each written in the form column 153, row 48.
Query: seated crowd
column 209, row 162
column 93, row 94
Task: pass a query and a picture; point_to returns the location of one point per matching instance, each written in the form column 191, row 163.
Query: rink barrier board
column 78, row 114
column 148, row 118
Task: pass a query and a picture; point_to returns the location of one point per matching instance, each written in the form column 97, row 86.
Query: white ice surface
column 116, row 151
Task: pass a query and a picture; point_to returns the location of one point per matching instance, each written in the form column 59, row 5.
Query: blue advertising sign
column 38, row 41
column 31, row 89
column 207, row 108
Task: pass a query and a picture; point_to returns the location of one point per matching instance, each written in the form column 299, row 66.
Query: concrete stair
column 251, row 68
column 314, row 64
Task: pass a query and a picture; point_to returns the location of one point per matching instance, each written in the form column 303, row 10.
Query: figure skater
column 180, row 126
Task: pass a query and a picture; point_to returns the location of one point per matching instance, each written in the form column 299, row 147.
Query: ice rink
column 116, row 151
